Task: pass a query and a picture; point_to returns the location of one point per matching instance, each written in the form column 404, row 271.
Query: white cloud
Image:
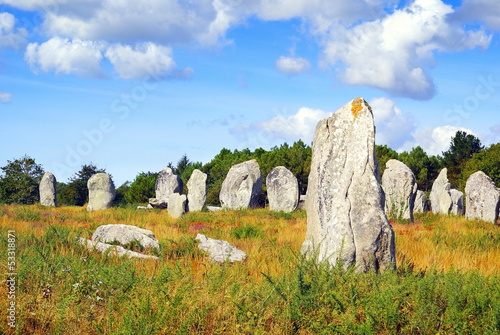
column 146, row 59
column 10, row 37
column 300, row 125
column 434, row 141
column 484, row 11
column 392, row 53
column 291, row 65
column 5, row 97
column 64, row 56
column 393, row 127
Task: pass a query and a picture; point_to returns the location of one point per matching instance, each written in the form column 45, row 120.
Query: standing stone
column 48, row 190
column 345, row 203
column 482, row 198
column 457, row 202
column 440, row 194
column 242, row 186
column 197, row 190
column 101, row 192
column 176, row 205
column 167, row 183
column 400, row 188
column 421, row 203
column 282, row 190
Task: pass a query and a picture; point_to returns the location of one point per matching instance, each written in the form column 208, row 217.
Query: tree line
column 19, row 179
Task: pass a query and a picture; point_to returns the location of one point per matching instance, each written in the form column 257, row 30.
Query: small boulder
column 48, row 190
column 214, row 208
column 197, row 190
column 101, row 192
column 242, row 186
column 282, row 190
column 158, row 203
column 482, row 198
column 220, row 251
column 124, row 235
column 115, row 250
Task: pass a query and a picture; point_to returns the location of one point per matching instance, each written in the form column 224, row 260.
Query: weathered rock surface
column 345, row 203
column 282, row 190
column 116, row 250
column 177, row 205
column 125, row 234
column 400, row 187
column 158, row 203
column 440, row 197
column 457, row 202
column 47, row 190
column 242, row 186
column 167, row 183
column 101, row 192
column 482, row 198
column 220, row 251
column 197, row 190
column 421, row 203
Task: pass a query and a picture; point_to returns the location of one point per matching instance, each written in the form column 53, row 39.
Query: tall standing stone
column 440, row 196
column 421, row 203
column 400, row 187
column 345, row 203
column 47, row 189
column 176, row 205
column 482, row 198
column 242, row 186
column 197, row 190
column 101, row 192
column 167, row 183
column 457, row 202
column 282, row 190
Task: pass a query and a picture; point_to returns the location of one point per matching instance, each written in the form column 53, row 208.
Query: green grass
column 275, row 291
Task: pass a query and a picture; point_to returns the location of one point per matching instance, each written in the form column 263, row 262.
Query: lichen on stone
column 356, row 107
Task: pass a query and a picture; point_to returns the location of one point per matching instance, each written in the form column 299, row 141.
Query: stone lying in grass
column 114, row 249
column 220, row 251
column 125, row 235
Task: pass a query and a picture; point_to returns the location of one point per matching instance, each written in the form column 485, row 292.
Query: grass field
column 447, row 281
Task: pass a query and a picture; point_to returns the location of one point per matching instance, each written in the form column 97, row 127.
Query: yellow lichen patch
column 356, row 107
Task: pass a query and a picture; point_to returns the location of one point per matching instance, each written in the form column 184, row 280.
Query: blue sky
column 131, row 86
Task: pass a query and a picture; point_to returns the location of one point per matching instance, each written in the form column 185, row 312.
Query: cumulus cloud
column 146, row 59
column 5, row 97
column 300, row 125
column 486, row 12
column 291, row 65
column 64, row 56
column 11, row 37
column 392, row 53
column 394, row 128
column 434, row 141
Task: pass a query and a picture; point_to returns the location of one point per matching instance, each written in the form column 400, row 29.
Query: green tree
column 384, row 153
column 19, row 182
column 462, row 147
column 121, row 192
column 488, row 161
column 425, row 168
column 76, row 192
column 142, row 188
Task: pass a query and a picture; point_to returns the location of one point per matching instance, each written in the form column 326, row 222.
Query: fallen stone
column 158, row 203
column 220, row 251
column 214, row 208
column 115, row 250
column 124, row 235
